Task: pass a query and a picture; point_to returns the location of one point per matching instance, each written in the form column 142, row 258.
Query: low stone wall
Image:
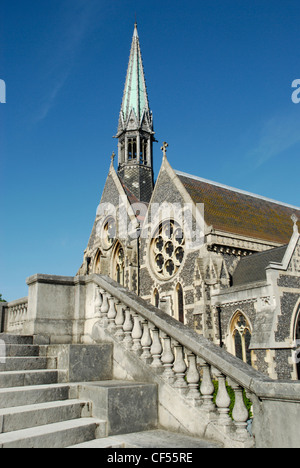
column 13, row 316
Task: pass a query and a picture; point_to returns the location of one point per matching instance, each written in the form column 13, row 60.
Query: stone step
column 25, row 378
column 23, row 363
column 29, row 395
column 105, row 443
column 20, row 350
column 128, row 406
column 24, row 417
column 16, row 339
column 57, row 435
column 149, row 439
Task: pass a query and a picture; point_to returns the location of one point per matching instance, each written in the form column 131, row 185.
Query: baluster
column 104, row 310
column 156, row 349
column 119, row 321
column 240, row 413
column 127, row 328
column 223, row 400
column 111, row 315
column 98, row 301
column 146, row 342
column 167, row 358
column 193, row 379
column 137, row 334
column 179, row 367
column 207, row 387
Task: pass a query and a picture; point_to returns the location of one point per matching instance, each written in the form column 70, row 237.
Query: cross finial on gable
column 164, row 149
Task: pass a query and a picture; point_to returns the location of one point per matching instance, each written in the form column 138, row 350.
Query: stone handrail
column 13, row 315
column 184, row 358
column 187, row 360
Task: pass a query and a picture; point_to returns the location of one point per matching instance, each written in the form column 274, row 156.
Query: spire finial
column 113, row 157
column 164, row 149
column 295, row 221
column 135, row 34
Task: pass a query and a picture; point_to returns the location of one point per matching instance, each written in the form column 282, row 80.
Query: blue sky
column 219, row 75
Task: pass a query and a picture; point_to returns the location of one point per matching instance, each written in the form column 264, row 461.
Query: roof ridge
column 227, row 187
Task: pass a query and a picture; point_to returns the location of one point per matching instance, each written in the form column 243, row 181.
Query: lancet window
column 241, row 337
column 132, row 149
column 156, row 298
column 119, row 265
column 143, row 151
column 97, row 268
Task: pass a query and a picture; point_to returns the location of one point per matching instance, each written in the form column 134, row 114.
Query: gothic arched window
column 143, row 151
column 241, row 337
column 119, row 265
column 156, row 298
column 97, row 267
column 132, row 149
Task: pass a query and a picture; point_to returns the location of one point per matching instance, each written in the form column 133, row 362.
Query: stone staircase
column 39, row 411
column 35, row 410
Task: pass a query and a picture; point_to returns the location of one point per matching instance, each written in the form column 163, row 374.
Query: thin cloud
column 76, row 22
column 278, row 135
column 49, row 100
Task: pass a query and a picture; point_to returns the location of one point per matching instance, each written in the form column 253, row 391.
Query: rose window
column 167, row 250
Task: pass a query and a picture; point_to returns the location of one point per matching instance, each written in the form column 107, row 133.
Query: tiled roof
column 253, row 268
column 238, row 212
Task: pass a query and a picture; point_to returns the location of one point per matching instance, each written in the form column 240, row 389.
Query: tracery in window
column 241, row 337
column 167, row 249
column 119, row 265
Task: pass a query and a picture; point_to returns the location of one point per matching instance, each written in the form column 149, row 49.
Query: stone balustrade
column 199, row 370
column 192, row 365
column 14, row 315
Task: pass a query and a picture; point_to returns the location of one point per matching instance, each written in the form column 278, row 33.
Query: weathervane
column 164, row 149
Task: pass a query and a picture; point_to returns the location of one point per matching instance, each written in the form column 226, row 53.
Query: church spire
column 135, row 130
column 135, row 96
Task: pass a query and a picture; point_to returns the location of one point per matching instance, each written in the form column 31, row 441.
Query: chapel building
column 223, row 261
